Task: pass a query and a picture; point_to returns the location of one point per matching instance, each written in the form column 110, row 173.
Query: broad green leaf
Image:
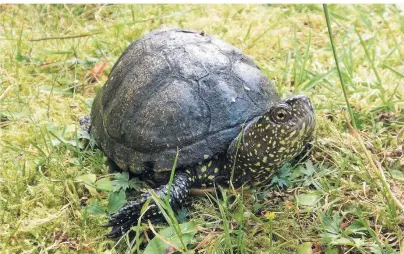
column 157, row 245
column 397, row 174
column 308, row 199
column 310, row 168
column 342, row 241
column 104, row 184
column 304, row 248
column 121, row 181
column 95, row 208
column 332, row 225
column 355, row 227
column 115, row 201
column 359, row 242
column 282, row 179
column 134, row 183
column 89, row 178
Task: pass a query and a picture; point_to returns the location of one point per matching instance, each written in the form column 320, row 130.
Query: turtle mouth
column 310, row 125
column 304, row 116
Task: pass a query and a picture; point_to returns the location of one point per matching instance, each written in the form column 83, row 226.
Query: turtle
column 183, row 94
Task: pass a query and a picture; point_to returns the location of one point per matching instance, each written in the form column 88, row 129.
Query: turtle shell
column 177, row 89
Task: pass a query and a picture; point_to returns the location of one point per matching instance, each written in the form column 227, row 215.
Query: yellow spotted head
column 280, row 134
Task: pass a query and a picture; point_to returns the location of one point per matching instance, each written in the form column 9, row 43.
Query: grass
column 51, row 67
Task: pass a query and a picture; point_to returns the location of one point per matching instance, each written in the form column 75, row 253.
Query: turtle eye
column 281, row 113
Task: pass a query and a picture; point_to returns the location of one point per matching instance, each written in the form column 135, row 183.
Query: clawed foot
column 118, row 231
column 129, row 214
column 124, row 219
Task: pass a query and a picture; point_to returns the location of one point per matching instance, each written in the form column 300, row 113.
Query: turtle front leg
column 129, row 214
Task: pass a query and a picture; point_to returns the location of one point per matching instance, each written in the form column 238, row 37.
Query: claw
column 107, row 225
column 115, row 233
column 120, row 230
column 122, row 221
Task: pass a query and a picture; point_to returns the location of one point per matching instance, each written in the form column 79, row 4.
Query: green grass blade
column 379, row 80
column 327, row 17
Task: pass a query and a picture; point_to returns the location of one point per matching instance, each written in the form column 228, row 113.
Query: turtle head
column 279, row 135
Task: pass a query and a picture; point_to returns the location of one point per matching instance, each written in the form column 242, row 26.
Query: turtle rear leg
column 129, row 214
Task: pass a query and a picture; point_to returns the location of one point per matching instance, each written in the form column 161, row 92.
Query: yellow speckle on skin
column 258, row 164
column 264, row 159
column 259, row 125
column 258, row 145
column 210, row 177
column 203, row 169
column 210, row 163
column 282, row 142
column 203, row 185
column 292, row 134
column 216, row 170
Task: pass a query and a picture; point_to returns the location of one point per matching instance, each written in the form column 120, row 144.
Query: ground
column 55, row 195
